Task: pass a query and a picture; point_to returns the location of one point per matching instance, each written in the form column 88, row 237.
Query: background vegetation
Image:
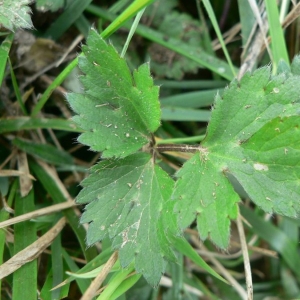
column 195, row 49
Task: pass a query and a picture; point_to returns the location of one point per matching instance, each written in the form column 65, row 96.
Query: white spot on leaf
column 260, row 167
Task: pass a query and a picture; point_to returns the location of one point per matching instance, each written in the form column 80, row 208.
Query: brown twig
column 247, row 266
column 177, row 148
column 38, row 213
column 96, row 283
column 32, row 251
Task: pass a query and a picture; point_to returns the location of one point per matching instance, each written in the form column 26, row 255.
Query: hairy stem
column 177, row 148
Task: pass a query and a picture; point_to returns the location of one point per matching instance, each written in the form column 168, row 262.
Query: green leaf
column 25, row 278
column 4, row 52
column 254, row 135
column 210, row 198
column 26, row 123
column 15, row 14
column 271, row 174
column 118, row 110
column 72, row 12
column 46, row 152
column 128, row 201
column 184, row 247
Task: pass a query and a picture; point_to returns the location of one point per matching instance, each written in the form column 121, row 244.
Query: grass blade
column 278, row 45
column 57, row 266
column 4, row 215
column 127, row 14
column 276, row 238
column 82, row 284
column 67, row 18
column 46, row 152
column 4, row 50
column 27, row 123
column 191, row 100
column 214, row 22
column 185, row 114
column 25, row 278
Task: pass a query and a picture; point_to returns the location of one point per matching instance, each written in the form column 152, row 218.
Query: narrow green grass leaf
column 191, row 99
column 176, row 271
column 290, row 228
column 47, row 294
column 4, row 50
column 117, row 279
column 191, row 84
column 276, row 238
column 132, row 30
column 127, row 14
column 17, row 90
column 119, row 6
column 192, row 139
column 46, row 289
column 93, row 273
column 247, row 20
column 46, row 152
column 66, row 19
column 183, row 246
column 25, row 278
column 214, row 22
column 185, row 114
column 4, row 215
column 95, row 263
column 278, row 45
column 82, row 284
column 28, row 123
column 125, row 285
column 83, row 25
column 56, row 194
column 57, row 266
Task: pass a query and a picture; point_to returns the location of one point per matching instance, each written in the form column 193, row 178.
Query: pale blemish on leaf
column 260, row 167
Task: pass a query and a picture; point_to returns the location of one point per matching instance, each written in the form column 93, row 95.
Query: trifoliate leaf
column 254, row 135
column 15, row 14
column 117, row 110
column 129, row 202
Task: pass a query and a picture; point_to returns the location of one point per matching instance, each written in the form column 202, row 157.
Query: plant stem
column 197, row 138
column 177, row 148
